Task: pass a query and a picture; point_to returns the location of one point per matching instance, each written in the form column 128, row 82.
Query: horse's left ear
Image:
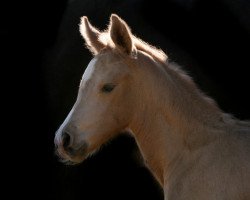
column 121, row 35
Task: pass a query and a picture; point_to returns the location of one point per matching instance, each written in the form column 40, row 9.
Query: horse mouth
column 72, row 156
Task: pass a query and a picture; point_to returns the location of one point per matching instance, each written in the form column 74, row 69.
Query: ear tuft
column 91, row 36
column 121, row 35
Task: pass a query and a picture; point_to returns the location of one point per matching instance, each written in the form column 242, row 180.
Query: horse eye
column 108, row 88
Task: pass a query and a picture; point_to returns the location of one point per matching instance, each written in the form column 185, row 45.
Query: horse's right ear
column 91, row 36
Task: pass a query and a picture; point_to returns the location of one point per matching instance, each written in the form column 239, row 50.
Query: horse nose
column 66, row 140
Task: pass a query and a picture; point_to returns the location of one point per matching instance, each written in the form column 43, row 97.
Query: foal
column 195, row 151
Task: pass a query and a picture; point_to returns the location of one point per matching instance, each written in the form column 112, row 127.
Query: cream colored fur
column 195, row 151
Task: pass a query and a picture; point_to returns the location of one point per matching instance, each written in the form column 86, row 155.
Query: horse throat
column 158, row 144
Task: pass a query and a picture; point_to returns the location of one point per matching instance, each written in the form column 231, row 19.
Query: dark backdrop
column 44, row 58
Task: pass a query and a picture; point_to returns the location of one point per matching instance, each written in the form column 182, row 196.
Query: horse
column 193, row 149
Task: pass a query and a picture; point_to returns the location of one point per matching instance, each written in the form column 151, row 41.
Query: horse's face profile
column 103, row 107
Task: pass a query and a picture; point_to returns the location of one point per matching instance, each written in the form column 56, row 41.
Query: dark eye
column 108, row 87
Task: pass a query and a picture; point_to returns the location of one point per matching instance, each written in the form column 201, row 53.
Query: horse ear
column 121, row 35
column 91, row 36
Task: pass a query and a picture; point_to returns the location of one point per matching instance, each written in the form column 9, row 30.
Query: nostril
column 66, row 140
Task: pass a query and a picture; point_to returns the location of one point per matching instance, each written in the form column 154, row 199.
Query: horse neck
column 171, row 117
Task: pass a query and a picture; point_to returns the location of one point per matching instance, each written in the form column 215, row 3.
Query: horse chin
column 71, row 159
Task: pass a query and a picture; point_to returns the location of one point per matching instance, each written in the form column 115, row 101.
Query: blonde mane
column 139, row 44
column 157, row 54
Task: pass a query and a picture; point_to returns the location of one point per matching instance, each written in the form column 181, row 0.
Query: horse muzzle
column 67, row 151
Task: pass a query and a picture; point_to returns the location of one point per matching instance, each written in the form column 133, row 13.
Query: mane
column 154, row 52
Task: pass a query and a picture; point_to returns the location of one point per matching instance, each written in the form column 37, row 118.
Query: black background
column 43, row 58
